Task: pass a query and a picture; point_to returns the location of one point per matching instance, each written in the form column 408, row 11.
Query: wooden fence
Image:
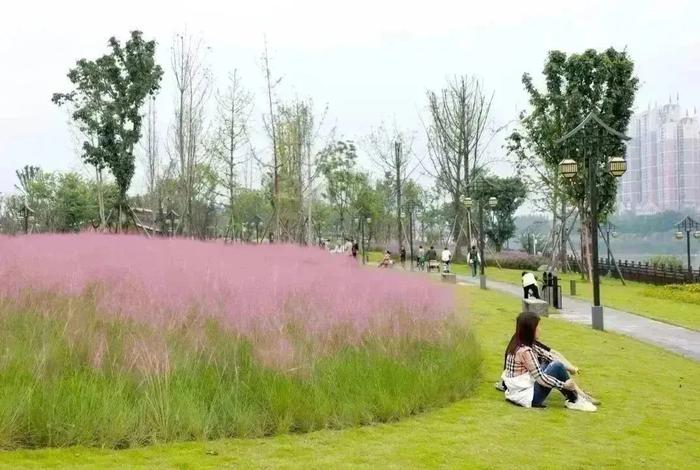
column 646, row 272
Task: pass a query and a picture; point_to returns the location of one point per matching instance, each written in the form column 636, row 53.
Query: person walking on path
column 530, row 285
column 473, row 259
column 355, row 249
column 432, row 254
column 421, row 258
column 446, row 260
column 402, row 257
column 527, row 383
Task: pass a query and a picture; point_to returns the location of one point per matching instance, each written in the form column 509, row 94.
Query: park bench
column 433, row 264
column 536, row 306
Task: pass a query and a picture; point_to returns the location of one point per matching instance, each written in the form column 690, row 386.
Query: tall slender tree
column 457, row 137
column 231, row 145
column 108, row 96
column 192, row 82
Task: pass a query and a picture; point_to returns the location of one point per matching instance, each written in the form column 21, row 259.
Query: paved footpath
column 673, row 338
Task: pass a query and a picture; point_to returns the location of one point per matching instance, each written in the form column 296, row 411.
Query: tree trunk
column 586, row 245
column 100, row 198
column 459, row 230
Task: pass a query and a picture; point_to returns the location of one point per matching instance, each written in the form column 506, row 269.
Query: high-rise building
column 663, row 162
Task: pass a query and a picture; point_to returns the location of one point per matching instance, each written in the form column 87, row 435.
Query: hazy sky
column 367, row 61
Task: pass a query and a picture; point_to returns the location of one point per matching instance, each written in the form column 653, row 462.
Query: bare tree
column 273, row 133
column 457, row 138
column 151, row 147
column 192, row 80
column 298, row 131
column 392, row 150
column 231, row 146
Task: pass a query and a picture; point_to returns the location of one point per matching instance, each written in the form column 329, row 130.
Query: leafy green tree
column 37, row 189
column 510, row 193
column 575, row 85
column 75, row 206
column 107, row 99
column 26, row 176
column 337, row 165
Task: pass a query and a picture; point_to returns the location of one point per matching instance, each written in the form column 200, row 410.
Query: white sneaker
column 581, row 405
column 591, row 398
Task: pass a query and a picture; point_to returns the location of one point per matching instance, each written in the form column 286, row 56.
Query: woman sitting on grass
column 527, row 383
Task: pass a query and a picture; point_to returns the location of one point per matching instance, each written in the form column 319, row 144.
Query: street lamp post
column 569, row 168
column 688, row 225
column 479, row 186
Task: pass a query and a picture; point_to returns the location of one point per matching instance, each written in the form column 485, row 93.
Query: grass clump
column 69, row 376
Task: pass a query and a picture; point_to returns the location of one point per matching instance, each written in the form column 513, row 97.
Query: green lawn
column 650, row 418
column 630, row 298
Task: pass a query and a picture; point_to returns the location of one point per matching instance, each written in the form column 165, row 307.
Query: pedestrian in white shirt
column 446, row 260
column 530, row 285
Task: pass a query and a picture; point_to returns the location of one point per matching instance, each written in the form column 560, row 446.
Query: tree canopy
column 107, row 100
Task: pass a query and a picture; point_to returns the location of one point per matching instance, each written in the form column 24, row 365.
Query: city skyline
column 663, row 161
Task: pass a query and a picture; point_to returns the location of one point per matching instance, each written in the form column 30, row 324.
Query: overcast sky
column 367, row 60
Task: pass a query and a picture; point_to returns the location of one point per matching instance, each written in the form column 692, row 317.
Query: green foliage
column 516, row 260
column 107, row 99
column 343, row 182
column 576, row 85
column 668, row 261
column 532, row 240
column 62, row 202
column 75, row 203
column 26, row 176
column 686, row 293
column 119, row 384
column 648, row 224
column 510, row 193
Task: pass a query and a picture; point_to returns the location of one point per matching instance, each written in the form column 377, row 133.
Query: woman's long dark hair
column 525, row 332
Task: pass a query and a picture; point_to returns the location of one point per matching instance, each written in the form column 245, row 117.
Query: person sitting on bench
column 530, row 285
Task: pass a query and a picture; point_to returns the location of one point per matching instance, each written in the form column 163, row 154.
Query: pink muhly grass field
column 120, row 341
column 257, row 292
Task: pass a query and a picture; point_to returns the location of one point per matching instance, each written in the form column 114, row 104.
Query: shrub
column 517, row 260
column 687, row 293
column 120, row 341
column 669, row 261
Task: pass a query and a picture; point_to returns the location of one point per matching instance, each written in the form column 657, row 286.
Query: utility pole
column 569, row 168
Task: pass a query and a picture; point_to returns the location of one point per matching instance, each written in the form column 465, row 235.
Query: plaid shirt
column 525, row 360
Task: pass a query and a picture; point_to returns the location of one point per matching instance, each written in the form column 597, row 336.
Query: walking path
column 673, row 338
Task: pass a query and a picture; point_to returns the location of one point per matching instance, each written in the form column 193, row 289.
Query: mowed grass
column 650, row 418
column 632, row 297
